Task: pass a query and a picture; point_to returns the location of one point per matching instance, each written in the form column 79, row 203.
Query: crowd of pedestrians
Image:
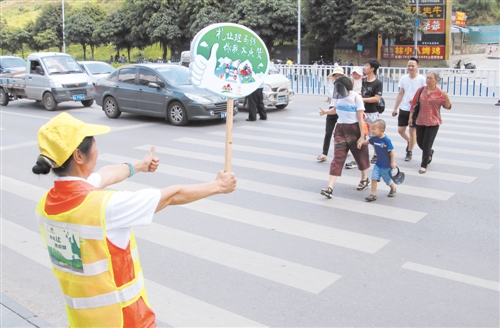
column 352, row 116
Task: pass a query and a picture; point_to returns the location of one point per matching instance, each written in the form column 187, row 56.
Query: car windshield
column 61, row 65
column 12, row 62
column 273, row 69
column 99, row 68
column 175, row 74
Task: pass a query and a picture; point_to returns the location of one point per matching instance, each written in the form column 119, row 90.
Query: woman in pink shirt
column 429, row 117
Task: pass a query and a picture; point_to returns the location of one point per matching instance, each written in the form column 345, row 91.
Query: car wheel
column 87, row 103
column 4, row 98
column 177, row 114
column 281, row 106
column 49, row 102
column 110, row 108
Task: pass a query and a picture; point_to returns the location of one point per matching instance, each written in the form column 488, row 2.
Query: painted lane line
column 170, row 306
column 382, row 211
column 466, row 279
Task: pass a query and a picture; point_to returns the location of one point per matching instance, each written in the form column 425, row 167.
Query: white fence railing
column 311, row 79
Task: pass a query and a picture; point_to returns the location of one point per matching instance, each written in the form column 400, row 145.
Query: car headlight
column 198, row 98
column 89, row 81
column 54, row 84
column 267, row 88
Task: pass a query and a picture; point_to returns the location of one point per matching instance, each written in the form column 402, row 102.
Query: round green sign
column 228, row 59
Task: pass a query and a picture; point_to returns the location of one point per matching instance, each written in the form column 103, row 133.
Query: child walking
column 386, row 159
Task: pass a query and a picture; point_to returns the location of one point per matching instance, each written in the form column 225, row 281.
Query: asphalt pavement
column 275, row 252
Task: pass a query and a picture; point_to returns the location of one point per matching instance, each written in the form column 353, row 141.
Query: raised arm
column 111, row 174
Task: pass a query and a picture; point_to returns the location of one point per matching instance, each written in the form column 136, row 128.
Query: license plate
column 223, row 114
column 79, row 97
column 281, row 100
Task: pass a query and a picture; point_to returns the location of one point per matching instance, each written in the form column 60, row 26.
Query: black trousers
column 256, row 104
column 331, row 121
column 425, row 139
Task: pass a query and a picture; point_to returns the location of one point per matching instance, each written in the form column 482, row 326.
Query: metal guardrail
column 312, row 79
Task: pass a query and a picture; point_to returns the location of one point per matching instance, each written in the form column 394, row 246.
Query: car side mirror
column 39, row 70
column 153, row 85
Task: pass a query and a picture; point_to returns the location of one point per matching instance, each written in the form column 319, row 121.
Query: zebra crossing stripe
column 261, row 265
column 362, row 207
column 170, row 306
column 466, row 279
column 316, row 232
column 315, row 145
column 320, row 176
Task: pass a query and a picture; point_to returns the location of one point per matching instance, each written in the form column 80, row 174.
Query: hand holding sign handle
column 202, row 70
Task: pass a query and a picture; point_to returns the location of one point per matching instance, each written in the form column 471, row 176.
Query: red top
column 430, row 105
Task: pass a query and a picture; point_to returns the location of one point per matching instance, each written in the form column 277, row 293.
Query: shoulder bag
column 416, row 107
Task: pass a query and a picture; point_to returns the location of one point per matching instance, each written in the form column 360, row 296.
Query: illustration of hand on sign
column 229, row 60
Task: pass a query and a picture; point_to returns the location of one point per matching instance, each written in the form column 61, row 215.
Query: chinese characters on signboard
column 460, row 18
column 405, row 52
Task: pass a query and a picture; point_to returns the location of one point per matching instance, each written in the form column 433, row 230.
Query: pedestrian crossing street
column 279, row 150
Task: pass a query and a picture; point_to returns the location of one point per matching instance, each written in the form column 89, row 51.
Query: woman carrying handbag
column 427, row 102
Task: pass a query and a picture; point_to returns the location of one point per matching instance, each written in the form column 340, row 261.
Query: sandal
column 327, row 192
column 371, row 198
column 363, row 184
column 430, row 157
column 422, row 170
column 321, row 158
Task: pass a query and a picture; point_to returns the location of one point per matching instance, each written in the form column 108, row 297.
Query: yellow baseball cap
column 60, row 137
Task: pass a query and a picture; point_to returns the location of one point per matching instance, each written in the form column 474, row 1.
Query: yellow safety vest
column 81, row 260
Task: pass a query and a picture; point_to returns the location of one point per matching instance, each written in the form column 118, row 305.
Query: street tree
column 194, row 15
column 326, row 22
column 273, row 20
column 50, row 18
column 116, row 28
column 385, row 17
column 163, row 27
column 82, row 25
column 18, row 39
column 46, row 40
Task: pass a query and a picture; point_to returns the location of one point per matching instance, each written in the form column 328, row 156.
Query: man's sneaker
column 408, row 156
column 374, row 159
column 351, row 165
column 392, row 193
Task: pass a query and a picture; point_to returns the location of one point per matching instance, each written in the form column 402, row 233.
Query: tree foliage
column 50, row 19
column 327, row 22
column 479, row 12
column 82, row 25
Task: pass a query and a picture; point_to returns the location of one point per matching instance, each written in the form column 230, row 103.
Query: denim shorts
column 384, row 173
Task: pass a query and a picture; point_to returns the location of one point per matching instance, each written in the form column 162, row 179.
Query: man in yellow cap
column 88, row 230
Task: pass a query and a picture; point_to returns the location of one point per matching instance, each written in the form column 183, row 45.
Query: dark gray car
column 160, row 90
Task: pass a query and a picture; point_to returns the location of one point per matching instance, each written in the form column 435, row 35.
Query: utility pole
column 64, row 38
column 298, row 36
column 415, row 35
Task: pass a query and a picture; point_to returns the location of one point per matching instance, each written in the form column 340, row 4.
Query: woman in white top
column 349, row 133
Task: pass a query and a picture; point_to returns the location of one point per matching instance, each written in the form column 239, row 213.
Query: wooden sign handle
column 229, row 133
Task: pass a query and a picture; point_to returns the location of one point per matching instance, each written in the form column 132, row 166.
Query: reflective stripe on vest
column 119, row 296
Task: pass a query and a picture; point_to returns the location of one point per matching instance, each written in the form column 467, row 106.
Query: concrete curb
column 13, row 315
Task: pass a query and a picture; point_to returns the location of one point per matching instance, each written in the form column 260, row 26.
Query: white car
column 277, row 90
column 96, row 69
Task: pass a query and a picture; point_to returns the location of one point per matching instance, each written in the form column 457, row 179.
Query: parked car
column 277, row 90
column 11, row 64
column 96, row 69
column 185, row 58
column 160, row 90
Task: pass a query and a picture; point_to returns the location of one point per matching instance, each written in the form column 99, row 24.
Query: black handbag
column 416, row 107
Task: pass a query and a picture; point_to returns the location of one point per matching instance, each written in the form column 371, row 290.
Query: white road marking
column 170, row 306
column 320, row 176
column 19, row 145
column 382, row 211
column 466, row 279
